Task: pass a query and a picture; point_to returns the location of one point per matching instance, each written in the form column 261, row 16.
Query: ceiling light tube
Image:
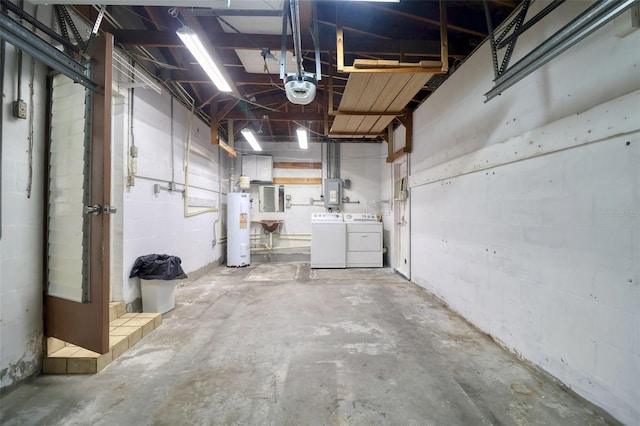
column 302, row 138
column 251, row 138
column 197, row 49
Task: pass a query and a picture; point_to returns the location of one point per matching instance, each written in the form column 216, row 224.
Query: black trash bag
column 157, row 267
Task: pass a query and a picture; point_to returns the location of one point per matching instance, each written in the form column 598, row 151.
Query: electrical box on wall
column 332, row 193
column 19, row 109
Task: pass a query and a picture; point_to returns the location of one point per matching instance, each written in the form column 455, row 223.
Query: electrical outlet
column 20, row 109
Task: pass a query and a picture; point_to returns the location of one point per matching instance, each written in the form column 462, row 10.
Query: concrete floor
column 280, row 344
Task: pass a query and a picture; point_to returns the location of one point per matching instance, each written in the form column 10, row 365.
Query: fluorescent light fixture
column 197, row 49
column 302, row 138
column 251, row 138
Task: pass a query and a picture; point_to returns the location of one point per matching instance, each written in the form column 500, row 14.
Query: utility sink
column 270, row 225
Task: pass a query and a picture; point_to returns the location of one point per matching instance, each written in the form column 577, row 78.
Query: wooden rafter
column 425, row 20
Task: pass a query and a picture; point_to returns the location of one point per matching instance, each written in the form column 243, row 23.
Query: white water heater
column 238, row 229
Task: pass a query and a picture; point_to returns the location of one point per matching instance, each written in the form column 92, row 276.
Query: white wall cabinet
column 259, row 168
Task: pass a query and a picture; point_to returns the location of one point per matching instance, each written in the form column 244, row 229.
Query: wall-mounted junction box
column 19, row 109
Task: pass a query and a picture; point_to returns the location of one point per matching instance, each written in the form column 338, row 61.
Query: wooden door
column 79, row 206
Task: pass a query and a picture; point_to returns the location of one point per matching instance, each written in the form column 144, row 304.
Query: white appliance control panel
column 326, row 217
column 360, row 217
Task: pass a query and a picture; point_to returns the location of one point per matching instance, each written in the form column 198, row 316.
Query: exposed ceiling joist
column 234, row 41
column 428, row 20
column 276, row 116
column 405, row 32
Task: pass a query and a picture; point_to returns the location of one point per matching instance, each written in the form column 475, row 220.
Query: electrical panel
column 332, row 193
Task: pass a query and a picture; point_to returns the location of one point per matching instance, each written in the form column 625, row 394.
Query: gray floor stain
column 283, row 344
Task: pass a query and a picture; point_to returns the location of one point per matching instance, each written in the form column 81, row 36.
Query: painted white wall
column 360, row 162
column 21, row 279
column 542, row 253
column 385, row 204
column 156, row 222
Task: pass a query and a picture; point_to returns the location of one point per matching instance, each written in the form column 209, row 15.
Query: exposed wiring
column 266, row 70
column 31, row 120
column 3, row 45
column 239, row 32
column 31, row 112
column 154, row 61
column 144, row 18
column 175, row 14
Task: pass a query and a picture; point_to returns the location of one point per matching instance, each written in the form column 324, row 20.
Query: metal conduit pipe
column 260, row 236
column 589, row 21
column 278, row 248
column 297, row 43
column 185, row 194
column 2, row 61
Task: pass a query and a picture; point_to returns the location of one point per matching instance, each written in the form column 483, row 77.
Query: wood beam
column 232, row 41
column 399, row 153
column 228, row 108
column 195, row 75
column 444, row 40
column 390, row 140
column 278, row 116
column 214, row 123
column 355, row 134
column 296, row 165
column 229, row 41
column 366, row 113
column 356, row 31
column 425, row 20
column 407, row 122
column 297, row 181
column 506, row 3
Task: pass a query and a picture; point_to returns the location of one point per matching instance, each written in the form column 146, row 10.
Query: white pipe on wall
column 188, row 213
column 279, row 248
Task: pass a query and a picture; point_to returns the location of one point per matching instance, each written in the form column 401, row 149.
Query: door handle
column 107, row 209
column 94, row 209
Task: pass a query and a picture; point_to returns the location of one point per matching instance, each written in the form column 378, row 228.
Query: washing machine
column 328, row 240
column 364, row 240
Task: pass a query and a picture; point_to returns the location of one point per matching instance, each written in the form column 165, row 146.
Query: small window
column 272, row 198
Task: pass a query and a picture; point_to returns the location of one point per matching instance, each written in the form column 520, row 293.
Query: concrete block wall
column 155, row 222
column 21, row 257
column 540, row 250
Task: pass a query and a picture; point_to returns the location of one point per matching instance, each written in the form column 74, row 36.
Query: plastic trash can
column 159, row 275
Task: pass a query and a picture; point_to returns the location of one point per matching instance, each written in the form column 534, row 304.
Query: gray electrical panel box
column 332, row 193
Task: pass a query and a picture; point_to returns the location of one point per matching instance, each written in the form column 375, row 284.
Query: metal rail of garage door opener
column 589, row 21
column 33, row 45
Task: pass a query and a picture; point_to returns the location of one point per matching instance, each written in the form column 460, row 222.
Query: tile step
column 125, row 330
